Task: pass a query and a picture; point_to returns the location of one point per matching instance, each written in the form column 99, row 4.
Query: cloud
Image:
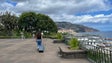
column 84, row 18
column 62, row 10
column 63, row 6
column 19, row 0
column 5, row 7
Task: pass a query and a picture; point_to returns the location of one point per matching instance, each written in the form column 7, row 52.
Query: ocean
column 105, row 34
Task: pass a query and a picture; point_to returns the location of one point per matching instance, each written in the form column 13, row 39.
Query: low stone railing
column 66, row 53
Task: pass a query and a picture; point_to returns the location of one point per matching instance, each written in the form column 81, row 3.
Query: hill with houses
column 74, row 27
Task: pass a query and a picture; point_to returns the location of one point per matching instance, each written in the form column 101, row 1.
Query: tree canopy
column 8, row 22
column 46, row 23
column 27, row 21
column 30, row 21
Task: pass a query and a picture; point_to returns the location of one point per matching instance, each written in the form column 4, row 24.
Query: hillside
column 75, row 27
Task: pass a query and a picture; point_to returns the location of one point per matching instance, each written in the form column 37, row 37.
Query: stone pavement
column 24, row 51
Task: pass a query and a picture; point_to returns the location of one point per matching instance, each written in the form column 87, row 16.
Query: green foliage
column 27, row 21
column 1, row 27
column 74, row 44
column 27, row 35
column 9, row 37
column 9, row 23
column 53, row 35
column 59, row 36
column 16, row 33
column 30, row 21
column 2, row 31
column 46, row 23
column 64, row 33
column 56, row 36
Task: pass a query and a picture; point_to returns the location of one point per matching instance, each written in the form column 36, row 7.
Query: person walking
column 40, row 47
column 38, row 39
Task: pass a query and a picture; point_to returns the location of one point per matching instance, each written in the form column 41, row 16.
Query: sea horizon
column 104, row 34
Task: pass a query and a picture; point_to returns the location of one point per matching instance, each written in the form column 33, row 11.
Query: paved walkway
column 24, row 51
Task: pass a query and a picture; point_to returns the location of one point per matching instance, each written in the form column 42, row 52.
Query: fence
column 97, row 54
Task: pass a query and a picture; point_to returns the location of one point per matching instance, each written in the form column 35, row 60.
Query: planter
column 67, row 53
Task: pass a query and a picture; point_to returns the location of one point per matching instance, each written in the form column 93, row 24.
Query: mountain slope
column 75, row 27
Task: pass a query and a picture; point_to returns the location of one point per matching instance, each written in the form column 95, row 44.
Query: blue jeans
column 39, row 42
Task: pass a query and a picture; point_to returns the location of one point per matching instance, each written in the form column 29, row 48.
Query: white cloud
column 84, row 18
column 62, row 10
column 5, row 7
column 62, row 6
column 19, row 0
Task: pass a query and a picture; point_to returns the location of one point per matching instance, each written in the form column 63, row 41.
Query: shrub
column 55, row 36
column 59, row 36
column 27, row 35
column 74, row 44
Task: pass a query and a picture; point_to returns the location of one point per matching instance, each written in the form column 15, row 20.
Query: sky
column 92, row 13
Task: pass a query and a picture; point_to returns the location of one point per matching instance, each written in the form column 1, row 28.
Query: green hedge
column 9, row 37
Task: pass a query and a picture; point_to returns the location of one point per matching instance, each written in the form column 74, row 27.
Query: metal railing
column 97, row 54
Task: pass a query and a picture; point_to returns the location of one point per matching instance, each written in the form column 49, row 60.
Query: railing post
column 110, row 56
column 97, row 55
column 102, row 56
column 99, row 52
column 105, row 56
